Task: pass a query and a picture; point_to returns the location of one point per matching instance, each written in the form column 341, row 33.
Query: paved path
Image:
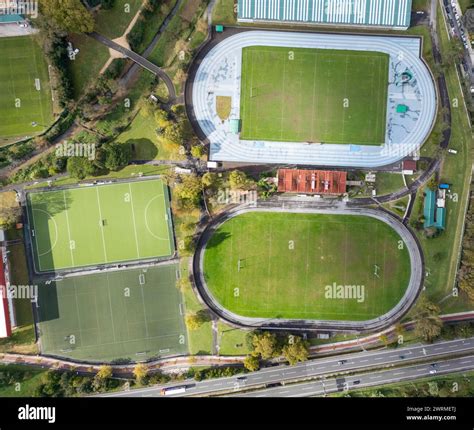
column 142, row 61
column 411, row 294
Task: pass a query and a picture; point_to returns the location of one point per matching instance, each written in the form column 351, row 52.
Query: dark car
column 357, row 382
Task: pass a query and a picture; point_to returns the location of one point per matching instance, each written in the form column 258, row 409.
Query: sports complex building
column 394, row 14
column 318, row 99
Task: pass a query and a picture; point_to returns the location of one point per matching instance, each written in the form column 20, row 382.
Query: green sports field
column 287, row 261
column 313, row 95
column 103, row 224
column 133, row 314
column 24, row 79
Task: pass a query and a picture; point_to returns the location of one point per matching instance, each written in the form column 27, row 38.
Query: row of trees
column 466, row 271
column 266, row 345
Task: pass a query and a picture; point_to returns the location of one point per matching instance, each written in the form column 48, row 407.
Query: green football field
column 103, row 224
column 273, row 265
column 313, row 95
column 133, row 314
column 25, row 94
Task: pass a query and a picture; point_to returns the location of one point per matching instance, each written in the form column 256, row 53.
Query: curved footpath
column 411, row 294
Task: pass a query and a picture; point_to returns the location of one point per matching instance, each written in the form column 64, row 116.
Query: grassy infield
column 301, row 94
column 104, row 224
column 22, row 62
column 287, row 260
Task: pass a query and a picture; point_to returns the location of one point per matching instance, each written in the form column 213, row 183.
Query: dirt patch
column 223, row 107
column 189, row 11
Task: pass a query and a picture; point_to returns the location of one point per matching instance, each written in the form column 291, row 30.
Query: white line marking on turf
column 134, row 223
column 101, row 225
column 68, row 229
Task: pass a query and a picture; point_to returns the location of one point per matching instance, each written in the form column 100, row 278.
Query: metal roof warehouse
column 394, row 14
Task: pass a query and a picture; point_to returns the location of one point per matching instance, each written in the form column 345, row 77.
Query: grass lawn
column 113, row 22
column 440, row 386
column 287, row 261
column 388, row 182
column 19, row 276
column 223, row 12
column 134, row 314
column 466, row 4
column 86, row 226
column 314, row 95
column 27, row 377
column 142, row 136
column 25, row 94
column 232, row 341
column 87, row 64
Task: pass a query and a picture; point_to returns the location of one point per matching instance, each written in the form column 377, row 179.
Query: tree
column 140, row 372
column 265, row 344
column 237, row 179
column 428, row 324
column 252, row 363
column 296, row 350
column 80, row 167
column 197, row 151
column 209, row 180
column 189, row 191
column 195, row 320
column 104, row 373
column 70, row 15
column 117, row 155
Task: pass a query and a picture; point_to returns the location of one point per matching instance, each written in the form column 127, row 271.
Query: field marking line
column 308, row 236
column 55, row 229
column 282, row 98
column 133, row 220
column 344, row 109
column 110, row 307
column 68, row 228
column 269, row 263
column 101, row 226
column 77, row 309
column 146, row 218
column 40, row 99
column 313, row 112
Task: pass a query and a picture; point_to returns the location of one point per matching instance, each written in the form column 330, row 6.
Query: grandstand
column 393, row 14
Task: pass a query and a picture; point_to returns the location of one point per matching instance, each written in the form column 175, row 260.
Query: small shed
column 235, row 126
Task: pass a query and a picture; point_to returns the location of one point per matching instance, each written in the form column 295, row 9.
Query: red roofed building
column 5, row 324
column 311, row 181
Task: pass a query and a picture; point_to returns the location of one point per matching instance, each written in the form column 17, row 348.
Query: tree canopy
column 70, row 15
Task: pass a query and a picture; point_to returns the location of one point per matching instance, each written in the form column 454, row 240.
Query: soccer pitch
column 25, row 95
column 104, row 224
column 133, row 314
column 286, row 265
column 314, row 95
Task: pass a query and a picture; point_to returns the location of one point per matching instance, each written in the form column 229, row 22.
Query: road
column 313, row 369
column 347, row 383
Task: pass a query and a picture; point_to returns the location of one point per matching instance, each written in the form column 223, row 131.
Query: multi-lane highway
column 318, row 368
column 346, row 383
